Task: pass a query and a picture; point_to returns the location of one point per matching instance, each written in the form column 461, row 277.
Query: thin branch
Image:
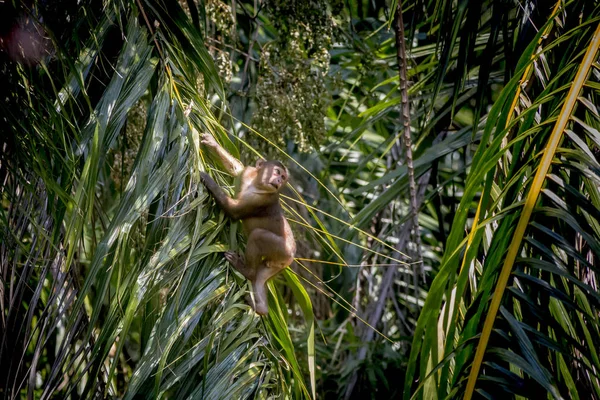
column 374, row 316
column 402, row 74
column 231, row 48
column 149, row 25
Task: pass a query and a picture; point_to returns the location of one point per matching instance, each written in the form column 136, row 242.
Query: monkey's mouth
column 276, row 186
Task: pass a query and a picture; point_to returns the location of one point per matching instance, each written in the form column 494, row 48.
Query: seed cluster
column 291, row 89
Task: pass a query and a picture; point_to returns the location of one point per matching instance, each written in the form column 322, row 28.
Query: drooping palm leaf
column 541, row 310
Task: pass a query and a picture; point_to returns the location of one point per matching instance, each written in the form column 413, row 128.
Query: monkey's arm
column 232, row 165
column 234, row 208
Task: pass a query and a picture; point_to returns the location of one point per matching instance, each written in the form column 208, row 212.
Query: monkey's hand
column 208, row 140
column 207, row 180
column 212, row 187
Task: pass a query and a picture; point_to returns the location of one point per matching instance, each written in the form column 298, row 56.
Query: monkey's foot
column 236, row 260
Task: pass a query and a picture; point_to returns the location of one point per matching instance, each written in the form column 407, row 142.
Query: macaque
column 271, row 245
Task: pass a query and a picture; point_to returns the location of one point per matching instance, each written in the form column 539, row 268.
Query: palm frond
column 539, row 241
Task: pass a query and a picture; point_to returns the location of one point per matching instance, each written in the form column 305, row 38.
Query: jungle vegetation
column 445, row 196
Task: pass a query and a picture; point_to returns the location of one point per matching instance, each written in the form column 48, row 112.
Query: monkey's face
column 271, row 176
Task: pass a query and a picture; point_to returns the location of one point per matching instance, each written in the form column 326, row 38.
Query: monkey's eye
column 277, row 172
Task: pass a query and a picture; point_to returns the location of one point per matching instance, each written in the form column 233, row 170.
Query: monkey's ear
column 259, row 162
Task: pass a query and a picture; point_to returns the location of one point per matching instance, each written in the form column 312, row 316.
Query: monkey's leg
column 265, row 272
column 266, row 255
column 265, row 246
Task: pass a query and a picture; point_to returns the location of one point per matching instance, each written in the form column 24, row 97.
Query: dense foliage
column 112, row 279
